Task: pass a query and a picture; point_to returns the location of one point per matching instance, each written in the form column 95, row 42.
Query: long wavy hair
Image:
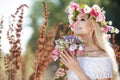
column 100, row 40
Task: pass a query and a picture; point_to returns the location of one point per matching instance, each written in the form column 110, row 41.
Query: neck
column 89, row 44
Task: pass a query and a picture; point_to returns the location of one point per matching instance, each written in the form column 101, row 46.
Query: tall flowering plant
column 72, row 44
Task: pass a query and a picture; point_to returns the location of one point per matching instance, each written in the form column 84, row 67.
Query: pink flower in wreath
column 100, row 17
column 95, row 10
column 106, row 28
column 95, row 14
column 74, row 5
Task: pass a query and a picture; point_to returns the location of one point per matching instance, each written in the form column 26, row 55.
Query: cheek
column 85, row 29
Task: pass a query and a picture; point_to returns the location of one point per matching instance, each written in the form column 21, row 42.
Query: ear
column 93, row 28
column 90, row 24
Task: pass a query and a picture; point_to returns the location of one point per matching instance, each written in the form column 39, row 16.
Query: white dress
column 94, row 67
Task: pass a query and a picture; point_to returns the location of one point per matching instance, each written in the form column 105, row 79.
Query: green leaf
column 75, row 13
column 82, row 6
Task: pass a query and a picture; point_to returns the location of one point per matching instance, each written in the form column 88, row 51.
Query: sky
column 8, row 7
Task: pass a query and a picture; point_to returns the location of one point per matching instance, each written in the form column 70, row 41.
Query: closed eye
column 75, row 19
column 82, row 19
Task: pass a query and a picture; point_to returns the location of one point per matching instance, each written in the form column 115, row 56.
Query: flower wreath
column 95, row 12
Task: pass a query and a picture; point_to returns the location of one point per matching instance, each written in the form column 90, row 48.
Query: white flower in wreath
column 70, row 19
column 96, row 8
column 116, row 31
column 110, row 22
column 87, row 9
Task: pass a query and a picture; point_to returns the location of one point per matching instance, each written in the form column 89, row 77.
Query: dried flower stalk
column 1, row 27
column 116, row 48
column 13, row 60
column 45, row 47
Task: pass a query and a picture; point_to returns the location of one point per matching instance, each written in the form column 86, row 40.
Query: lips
column 79, row 28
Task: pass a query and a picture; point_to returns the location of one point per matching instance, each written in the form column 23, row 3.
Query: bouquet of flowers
column 72, row 44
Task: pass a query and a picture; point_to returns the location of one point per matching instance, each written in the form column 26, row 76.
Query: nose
column 76, row 23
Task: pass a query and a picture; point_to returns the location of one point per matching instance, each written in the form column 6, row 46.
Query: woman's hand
column 59, row 73
column 71, row 63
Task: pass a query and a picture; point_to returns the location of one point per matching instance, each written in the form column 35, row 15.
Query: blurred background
column 34, row 17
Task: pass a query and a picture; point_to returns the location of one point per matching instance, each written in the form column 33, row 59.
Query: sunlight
column 8, row 7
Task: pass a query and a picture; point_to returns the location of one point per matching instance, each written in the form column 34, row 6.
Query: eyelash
column 75, row 20
column 82, row 19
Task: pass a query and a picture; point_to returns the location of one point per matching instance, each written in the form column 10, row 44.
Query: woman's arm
column 73, row 65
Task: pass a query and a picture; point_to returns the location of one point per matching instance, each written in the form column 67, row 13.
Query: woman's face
column 81, row 25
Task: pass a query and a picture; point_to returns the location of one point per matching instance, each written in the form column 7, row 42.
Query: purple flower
column 73, row 38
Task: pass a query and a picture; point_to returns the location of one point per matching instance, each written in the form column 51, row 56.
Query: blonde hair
column 100, row 40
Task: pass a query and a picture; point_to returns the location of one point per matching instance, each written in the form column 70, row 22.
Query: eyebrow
column 82, row 17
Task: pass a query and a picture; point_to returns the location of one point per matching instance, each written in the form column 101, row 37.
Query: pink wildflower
column 54, row 57
column 56, row 52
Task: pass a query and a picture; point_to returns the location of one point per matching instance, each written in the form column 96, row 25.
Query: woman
column 98, row 61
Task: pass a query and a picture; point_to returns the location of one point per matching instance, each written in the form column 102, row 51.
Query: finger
column 56, row 77
column 62, row 74
column 68, row 55
column 64, row 62
column 59, row 74
column 64, row 56
column 61, row 69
